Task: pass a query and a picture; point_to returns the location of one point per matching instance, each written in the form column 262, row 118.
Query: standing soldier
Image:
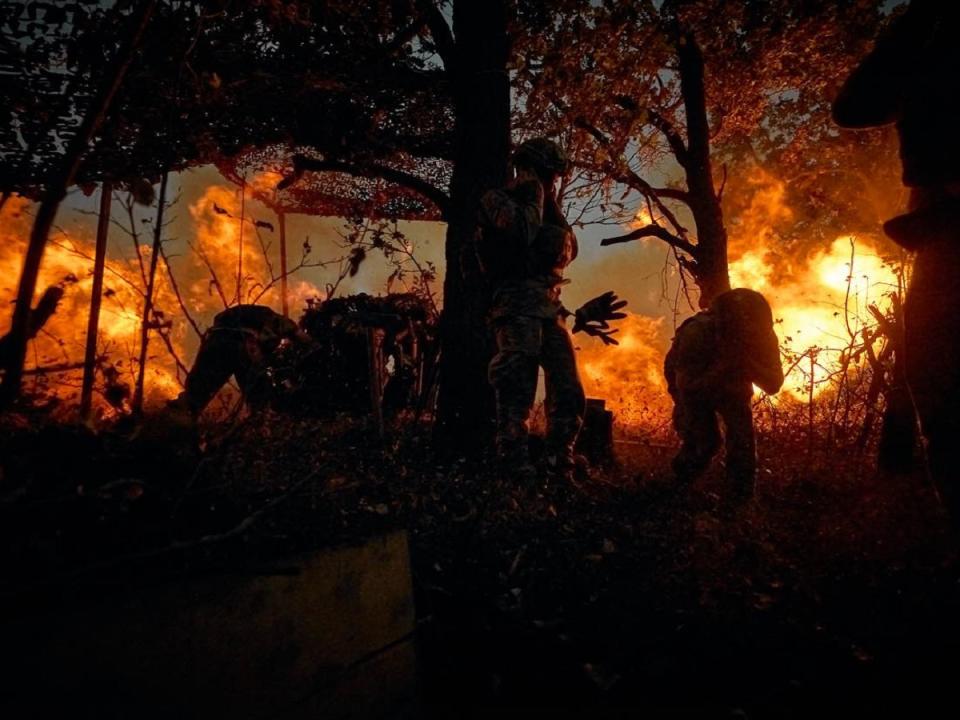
column 524, row 244
column 912, row 79
column 715, row 359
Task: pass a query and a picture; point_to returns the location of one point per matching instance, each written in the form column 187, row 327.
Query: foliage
column 609, row 80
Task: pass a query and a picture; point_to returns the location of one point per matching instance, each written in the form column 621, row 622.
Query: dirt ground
column 836, row 590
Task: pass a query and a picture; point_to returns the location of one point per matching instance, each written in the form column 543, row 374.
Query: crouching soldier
column 715, row 359
column 241, row 343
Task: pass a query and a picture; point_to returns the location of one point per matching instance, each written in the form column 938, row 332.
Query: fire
column 206, row 274
column 264, row 183
column 629, row 376
column 823, row 310
column 821, row 304
column 68, row 260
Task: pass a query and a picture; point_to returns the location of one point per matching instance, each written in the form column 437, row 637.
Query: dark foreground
column 836, row 591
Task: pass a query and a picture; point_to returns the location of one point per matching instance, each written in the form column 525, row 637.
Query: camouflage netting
column 335, row 193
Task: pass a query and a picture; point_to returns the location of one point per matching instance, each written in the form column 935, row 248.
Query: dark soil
column 835, row 590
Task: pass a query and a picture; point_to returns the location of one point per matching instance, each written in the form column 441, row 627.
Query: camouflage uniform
column 528, row 247
column 240, row 343
column 912, row 79
column 716, row 357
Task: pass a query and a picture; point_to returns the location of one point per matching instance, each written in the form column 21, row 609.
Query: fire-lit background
column 820, row 291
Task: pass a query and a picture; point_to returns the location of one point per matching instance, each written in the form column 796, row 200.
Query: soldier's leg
column 565, row 400
column 513, row 375
column 741, row 445
column 932, row 361
column 219, row 357
column 695, row 420
column 251, row 374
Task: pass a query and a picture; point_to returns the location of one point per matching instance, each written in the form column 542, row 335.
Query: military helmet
column 541, row 154
column 744, row 306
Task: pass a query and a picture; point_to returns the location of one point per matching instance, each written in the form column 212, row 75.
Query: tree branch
column 676, row 142
column 660, row 123
column 657, row 231
column 631, row 179
column 441, row 33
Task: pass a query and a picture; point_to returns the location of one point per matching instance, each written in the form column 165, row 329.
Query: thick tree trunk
column 712, row 271
column 148, row 299
column 55, row 190
column 93, row 323
column 482, row 101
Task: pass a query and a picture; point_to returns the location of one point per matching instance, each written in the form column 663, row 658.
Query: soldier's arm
column 718, row 374
column 764, row 366
column 517, row 212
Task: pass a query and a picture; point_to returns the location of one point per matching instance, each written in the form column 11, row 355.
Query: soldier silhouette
column 715, row 359
column 523, row 245
column 912, row 79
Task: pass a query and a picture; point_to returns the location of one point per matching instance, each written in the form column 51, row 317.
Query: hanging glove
column 594, row 316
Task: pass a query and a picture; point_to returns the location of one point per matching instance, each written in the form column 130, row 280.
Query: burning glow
column 264, row 183
column 206, row 272
column 822, row 310
column 68, row 260
column 642, row 218
column 629, row 376
column 821, row 304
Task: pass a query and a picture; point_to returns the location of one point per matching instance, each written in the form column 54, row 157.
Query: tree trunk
column 284, row 302
column 482, row 146
column 55, row 189
column 148, row 299
column 711, row 270
column 93, row 323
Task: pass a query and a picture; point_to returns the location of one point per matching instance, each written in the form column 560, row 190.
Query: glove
column 594, row 316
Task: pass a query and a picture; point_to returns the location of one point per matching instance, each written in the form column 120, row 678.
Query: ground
column 836, row 588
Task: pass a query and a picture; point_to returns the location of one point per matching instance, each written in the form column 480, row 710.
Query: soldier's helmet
column 747, row 308
column 541, row 154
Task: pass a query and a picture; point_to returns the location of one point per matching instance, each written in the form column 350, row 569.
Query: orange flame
column 821, row 306
column 68, row 260
column 629, row 376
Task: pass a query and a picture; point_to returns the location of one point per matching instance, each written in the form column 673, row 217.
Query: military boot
column 560, row 464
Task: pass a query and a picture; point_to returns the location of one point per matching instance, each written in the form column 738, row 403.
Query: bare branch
column 676, row 142
column 657, row 231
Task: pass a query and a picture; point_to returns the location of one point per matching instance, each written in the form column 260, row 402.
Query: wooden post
column 375, row 360
column 148, row 300
column 93, row 323
column 284, row 302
